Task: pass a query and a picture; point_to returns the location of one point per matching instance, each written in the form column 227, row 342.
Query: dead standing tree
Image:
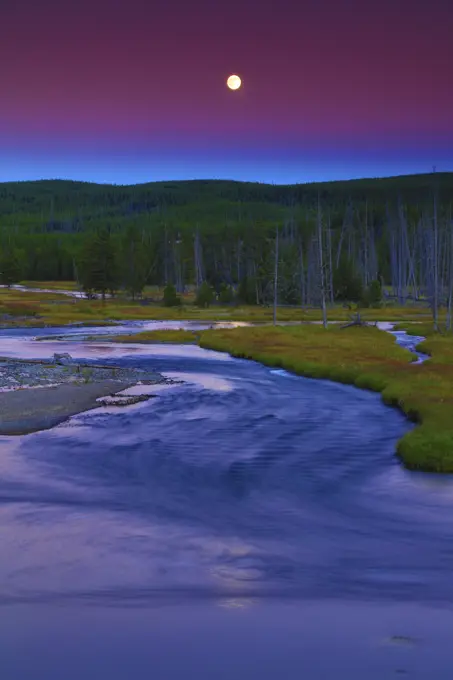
column 275, row 277
column 198, row 259
column 321, row 262
column 435, row 298
column 448, row 322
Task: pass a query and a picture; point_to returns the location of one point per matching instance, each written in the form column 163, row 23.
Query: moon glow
column 234, row 82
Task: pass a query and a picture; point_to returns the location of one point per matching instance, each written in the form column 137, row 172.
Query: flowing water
column 246, row 523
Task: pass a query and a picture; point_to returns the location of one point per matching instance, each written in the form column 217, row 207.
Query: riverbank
column 30, row 410
column 361, row 356
column 364, row 357
column 36, row 395
column 369, row 359
column 151, row 337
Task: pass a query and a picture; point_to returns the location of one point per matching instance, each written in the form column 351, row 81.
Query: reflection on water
column 237, row 497
column 242, row 603
column 27, row 348
column 241, row 638
column 242, row 480
column 214, row 383
column 69, row 293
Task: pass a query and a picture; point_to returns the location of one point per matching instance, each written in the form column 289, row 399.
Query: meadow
column 23, row 308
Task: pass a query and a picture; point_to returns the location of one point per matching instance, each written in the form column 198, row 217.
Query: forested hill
column 52, row 199
column 396, row 229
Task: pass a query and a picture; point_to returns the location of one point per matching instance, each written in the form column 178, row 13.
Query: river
column 246, row 523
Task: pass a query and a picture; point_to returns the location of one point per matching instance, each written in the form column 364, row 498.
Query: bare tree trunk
column 435, row 269
column 365, row 248
column 448, row 323
column 309, row 286
column 401, row 262
column 275, row 278
column 76, row 272
column 197, row 259
column 177, row 264
column 301, row 274
column 238, row 260
column 132, row 266
column 329, row 242
column 255, row 279
column 344, row 228
column 165, row 256
column 321, row 268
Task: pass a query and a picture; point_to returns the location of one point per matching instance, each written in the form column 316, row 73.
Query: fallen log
column 356, row 320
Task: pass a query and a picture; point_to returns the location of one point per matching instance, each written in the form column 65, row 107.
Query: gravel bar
column 37, row 395
column 25, row 411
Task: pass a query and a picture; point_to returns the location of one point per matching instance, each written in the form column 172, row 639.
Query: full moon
column 234, row 82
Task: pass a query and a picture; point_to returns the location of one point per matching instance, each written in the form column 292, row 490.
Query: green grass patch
column 370, row 359
column 438, row 344
column 149, row 337
column 19, row 308
column 53, row 309
column 50, row 285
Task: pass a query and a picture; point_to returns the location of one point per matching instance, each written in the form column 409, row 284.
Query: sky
column 128, row 91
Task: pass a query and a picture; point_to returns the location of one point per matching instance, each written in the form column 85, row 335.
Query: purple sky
column 126, row 91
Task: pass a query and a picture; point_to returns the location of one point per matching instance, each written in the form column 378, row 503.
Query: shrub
column 226, row 294
column 205, row 295
column 246, row 294
column 372, row 296
column 171, row 299
column 18, row 309
column 10, row 267
column 347, row 283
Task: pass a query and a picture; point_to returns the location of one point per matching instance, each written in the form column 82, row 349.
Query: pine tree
column 346, row 282
column 246, row 294
column 226, row 294
column 135, row 262
column 171, row 299
column 372, row 296
column 98, row 264
column 10, row 267
column 205, row 295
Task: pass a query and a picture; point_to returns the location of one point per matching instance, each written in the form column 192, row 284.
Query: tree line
column 296, row 253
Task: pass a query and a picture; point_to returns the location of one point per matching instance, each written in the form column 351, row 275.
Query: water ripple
column 241, row 482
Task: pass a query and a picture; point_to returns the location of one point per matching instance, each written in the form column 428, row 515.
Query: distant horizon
column 227, row 179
